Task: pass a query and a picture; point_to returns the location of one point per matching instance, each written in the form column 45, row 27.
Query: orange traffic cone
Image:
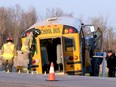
column 51, row 76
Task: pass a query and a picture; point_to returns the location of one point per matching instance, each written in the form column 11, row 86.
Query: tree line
column 14, row 21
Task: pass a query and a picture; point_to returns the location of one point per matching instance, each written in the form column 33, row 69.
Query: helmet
column 28, row 33
column 9, row 39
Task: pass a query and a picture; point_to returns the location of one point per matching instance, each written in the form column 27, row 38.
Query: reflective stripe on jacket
column 8, row 51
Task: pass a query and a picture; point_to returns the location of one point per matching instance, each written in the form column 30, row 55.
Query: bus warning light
column 42, row 26
column 66, row 31
column 49, row 26
column 55, row 25
column 71, row 30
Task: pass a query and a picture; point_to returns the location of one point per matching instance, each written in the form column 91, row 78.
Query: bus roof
column 70, row 21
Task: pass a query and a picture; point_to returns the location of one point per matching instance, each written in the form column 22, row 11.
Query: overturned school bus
column 65, row 41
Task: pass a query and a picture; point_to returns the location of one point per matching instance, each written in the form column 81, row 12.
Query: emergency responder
column 8, row 52
column 28, row 42
column 111, row 63
column 51, row 49
column 26, row 49
column 29, row 46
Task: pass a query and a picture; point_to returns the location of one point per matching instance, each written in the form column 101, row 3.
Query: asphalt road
column 29, row 80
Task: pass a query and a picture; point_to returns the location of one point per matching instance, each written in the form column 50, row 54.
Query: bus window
column 69, row 44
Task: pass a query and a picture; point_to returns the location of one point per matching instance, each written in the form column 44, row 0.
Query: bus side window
column 69, row 44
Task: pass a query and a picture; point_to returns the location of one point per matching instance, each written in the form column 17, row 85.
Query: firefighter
column 29, row 47
column 26, row 50
column 8, row 52
column 28, row 42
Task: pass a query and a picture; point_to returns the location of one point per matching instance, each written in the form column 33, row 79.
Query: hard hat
column 9, row 38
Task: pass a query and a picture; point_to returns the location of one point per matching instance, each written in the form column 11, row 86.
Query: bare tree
column 13, row 21
column 56, row 12
column 108, row 33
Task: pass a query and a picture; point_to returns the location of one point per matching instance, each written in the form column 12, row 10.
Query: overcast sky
column 80, row 8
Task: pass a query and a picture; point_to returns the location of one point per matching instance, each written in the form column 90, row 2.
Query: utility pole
column 108, row 39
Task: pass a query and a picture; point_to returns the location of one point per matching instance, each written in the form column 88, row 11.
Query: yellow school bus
column 67, row 32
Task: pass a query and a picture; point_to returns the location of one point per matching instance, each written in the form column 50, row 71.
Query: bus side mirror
column 92, row 29
column 95, row 36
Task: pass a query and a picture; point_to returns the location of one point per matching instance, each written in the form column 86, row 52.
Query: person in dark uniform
column 111, row 63
column 51, row 49
column 95, row 64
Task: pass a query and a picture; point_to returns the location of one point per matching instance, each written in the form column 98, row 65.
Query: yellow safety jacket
column 27, row 43
column 8, row 51
column 25, row 49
